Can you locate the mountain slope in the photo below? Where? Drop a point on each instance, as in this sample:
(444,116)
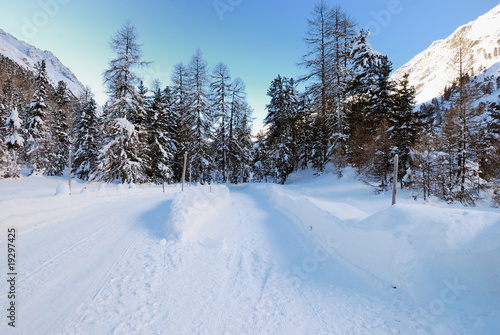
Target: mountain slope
(27,56)
(432,70)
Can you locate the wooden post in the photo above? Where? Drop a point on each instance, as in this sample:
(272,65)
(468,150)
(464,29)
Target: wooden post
(395,180)
(69,169)
(184,170)
(190,165)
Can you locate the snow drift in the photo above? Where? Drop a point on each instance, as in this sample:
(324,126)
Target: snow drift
(190,206)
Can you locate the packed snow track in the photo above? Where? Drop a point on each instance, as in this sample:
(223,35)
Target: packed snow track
(257,259)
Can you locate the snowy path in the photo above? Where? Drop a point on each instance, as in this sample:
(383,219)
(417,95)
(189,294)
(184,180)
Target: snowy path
(259,263)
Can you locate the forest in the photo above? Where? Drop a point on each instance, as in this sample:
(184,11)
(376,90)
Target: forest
(348,113)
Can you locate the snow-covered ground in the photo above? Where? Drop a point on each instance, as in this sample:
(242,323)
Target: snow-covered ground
(317,256)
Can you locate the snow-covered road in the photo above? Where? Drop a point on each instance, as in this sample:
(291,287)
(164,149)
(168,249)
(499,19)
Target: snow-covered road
(259,261)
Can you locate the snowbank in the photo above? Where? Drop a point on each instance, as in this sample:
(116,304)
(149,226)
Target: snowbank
(190,206)
(433,255)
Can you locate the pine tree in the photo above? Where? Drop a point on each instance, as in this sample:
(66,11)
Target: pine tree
(13,142)
(199,118)
(161,143)
(283,111)
(407,124)
(180,108)
(260,160)
(121,158)
(37,124)
(87,130)
(369,98)
(60,132)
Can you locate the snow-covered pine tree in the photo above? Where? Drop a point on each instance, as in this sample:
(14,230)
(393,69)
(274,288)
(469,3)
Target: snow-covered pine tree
(407,124)
(161,125)
(199,118)
(260,158)
(60,144)
(283,111)
(87,131)
(121,157)
(12,143)
(180,108)
(220,88)
(370,103)
(38,136)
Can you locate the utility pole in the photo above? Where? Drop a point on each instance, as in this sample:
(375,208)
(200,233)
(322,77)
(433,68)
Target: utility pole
(395,180)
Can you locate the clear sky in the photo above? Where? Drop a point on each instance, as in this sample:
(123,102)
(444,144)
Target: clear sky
(257,39)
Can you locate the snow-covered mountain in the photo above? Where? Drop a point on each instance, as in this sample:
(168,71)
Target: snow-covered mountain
(432,70)
(27,56)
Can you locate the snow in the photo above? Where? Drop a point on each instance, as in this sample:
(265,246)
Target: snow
(432,70)
(320,255)
(27,56)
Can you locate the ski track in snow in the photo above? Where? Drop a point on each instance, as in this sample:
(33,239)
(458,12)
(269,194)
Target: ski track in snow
(251,266)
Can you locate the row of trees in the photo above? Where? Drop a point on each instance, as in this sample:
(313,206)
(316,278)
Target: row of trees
(140,135)
(350,114)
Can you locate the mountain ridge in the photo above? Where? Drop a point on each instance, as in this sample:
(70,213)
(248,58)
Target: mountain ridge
(27,55)
(430,71)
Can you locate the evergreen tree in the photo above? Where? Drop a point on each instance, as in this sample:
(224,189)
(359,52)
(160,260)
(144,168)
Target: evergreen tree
(121,158)
(180,108)
(365,60)
(283,110)
(88,138)
(161,125)
(260,156)
(407,125)
(199,118)
(37,124)
(60,132)
(12,144)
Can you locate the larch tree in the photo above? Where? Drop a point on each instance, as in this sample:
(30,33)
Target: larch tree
(121,157)
(199,118)
(220,87)
(180,106)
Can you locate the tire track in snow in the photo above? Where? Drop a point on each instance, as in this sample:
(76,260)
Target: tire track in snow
(60,283)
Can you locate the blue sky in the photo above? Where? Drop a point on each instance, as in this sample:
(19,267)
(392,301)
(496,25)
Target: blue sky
(257,39)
